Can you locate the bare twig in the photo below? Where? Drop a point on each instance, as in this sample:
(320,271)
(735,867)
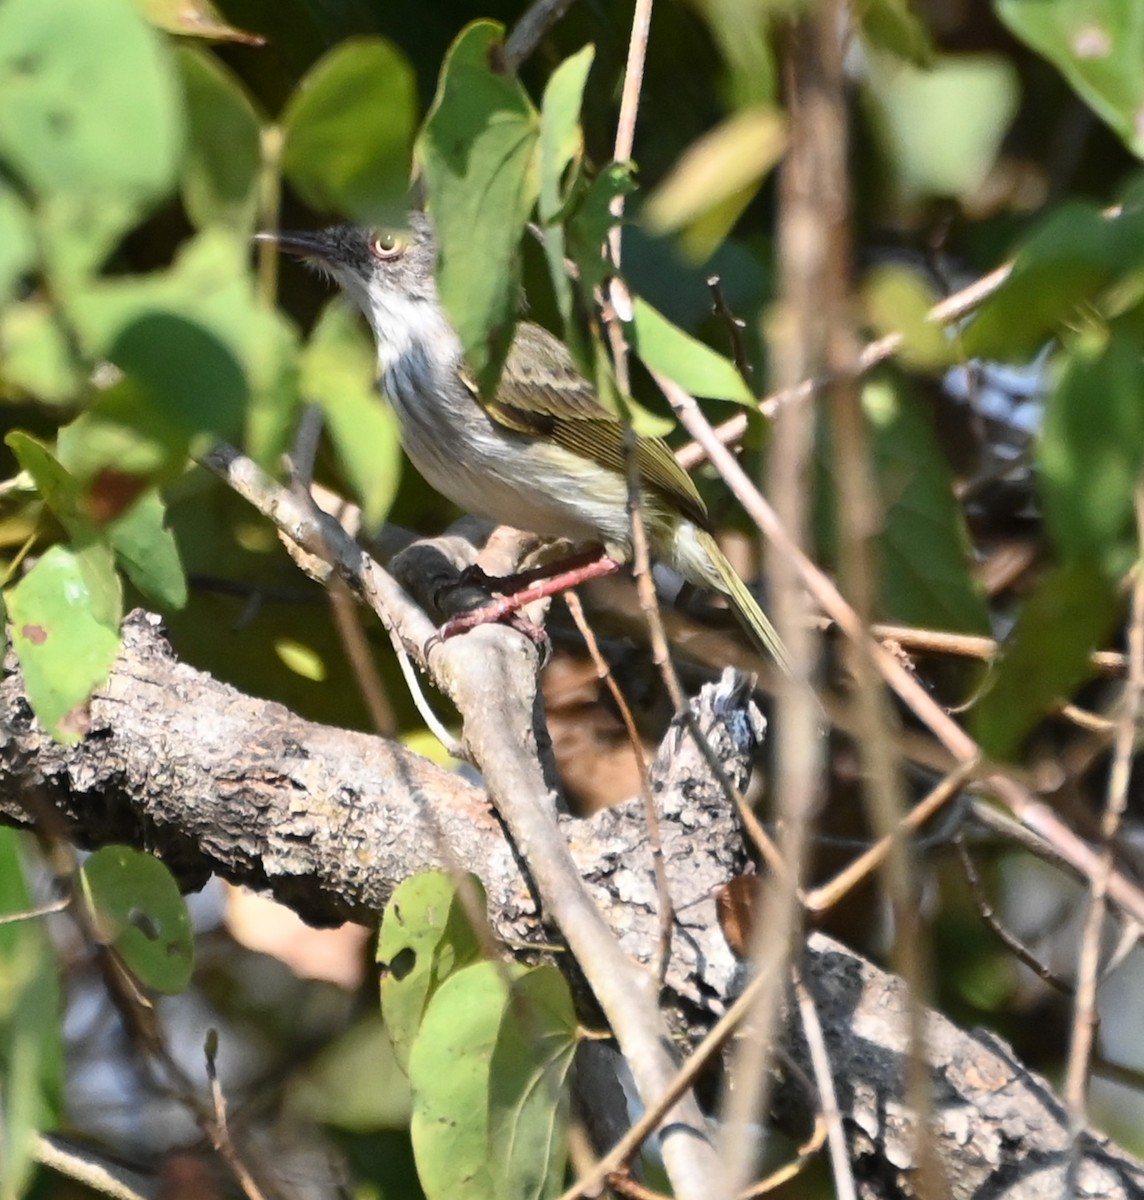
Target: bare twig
(828,894)
(798,349)
(827,1095)
(1088,966)
(83,1165)
(989,916)
(220,1129)
(529,30)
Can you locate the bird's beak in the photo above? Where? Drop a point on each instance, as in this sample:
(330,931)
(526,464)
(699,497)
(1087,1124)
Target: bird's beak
(299,243)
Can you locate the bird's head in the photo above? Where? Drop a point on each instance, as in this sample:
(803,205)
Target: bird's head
(379,269)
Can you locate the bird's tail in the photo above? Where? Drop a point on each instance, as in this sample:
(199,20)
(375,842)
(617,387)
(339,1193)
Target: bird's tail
(751,616)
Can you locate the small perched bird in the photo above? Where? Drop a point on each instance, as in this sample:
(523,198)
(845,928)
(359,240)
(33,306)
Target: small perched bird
(543,454)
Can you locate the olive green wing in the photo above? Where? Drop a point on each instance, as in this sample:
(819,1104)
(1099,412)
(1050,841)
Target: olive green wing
(541,393)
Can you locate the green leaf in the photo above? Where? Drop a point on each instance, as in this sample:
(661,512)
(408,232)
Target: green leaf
(897,300)
(194,18)
(426,935)
(35,355)
(17,244)
(1062,623)
(478,150)
(64,638)
(355,1083)
(665,348)
(1063,265)
(893,25)
(204,356)
(147,551)
(561,138)
(941,128)
(90,102)
(349,131)
(488,1071)
(138,909)
(31,1056)
(1091,452)
(60,491)
(924,546)
(717,175)
(224,155)
(338,372)
(561,143)
(1098,46)
(592,219)
(742,30)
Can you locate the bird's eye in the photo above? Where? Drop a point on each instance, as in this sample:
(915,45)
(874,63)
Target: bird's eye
(386,246)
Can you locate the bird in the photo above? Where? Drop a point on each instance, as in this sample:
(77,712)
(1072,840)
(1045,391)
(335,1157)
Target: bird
(542,454)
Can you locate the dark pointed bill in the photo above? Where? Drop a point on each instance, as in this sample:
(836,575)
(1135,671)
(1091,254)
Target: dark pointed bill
(300,243)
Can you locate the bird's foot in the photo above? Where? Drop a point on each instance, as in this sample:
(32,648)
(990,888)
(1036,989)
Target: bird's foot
(540,584)
(503,611)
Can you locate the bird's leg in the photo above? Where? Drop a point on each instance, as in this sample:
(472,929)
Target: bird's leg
(509,585)
(544,581)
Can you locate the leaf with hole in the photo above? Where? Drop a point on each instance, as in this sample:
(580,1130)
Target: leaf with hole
(426,935)
(139,911)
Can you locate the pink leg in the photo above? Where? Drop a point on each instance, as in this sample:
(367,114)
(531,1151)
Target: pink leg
(547,584)
(509,585)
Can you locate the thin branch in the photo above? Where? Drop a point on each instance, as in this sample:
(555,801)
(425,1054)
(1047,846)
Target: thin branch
(1088,966)
(85,1166)
(529,30)
(827,1095)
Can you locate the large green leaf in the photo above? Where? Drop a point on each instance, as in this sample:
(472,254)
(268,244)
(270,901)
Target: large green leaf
(202,356)
(64,636)
(478,150)
(224,154)
(89,99)
(561,144)
(1072,256)
(716,178)
(742,30)
(941,128)
(1091,452)
(349,131)
(1060,626)
(137,908)
(1098,46)
(35,353)
(355,1083)
(488,1071)
(31,1056)
(426,935)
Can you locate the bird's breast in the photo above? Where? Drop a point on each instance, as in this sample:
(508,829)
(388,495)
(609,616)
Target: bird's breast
(491,471)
